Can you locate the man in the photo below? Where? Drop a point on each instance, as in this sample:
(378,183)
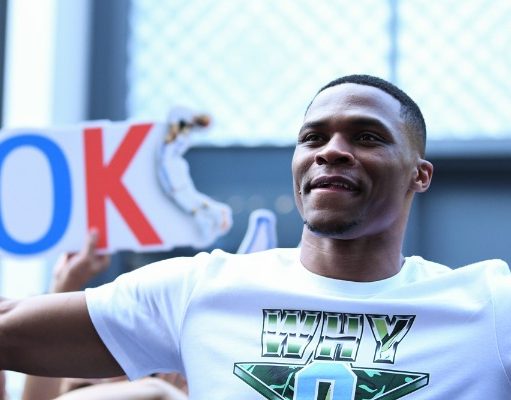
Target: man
(346,316)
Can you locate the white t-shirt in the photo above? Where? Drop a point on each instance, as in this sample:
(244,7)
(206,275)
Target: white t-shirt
(261,326)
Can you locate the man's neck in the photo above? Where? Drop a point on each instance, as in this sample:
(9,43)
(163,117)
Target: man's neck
(365,259)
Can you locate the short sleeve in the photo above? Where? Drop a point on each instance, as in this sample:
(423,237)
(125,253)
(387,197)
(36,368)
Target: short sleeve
(139,315)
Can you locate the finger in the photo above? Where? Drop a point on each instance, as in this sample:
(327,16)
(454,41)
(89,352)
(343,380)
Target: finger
(92,242)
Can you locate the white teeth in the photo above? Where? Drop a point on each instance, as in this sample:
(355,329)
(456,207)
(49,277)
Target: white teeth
(337,184)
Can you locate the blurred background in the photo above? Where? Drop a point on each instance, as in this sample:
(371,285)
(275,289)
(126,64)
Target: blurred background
(254,66)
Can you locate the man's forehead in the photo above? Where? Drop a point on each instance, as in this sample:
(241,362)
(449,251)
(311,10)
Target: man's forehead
(349,97)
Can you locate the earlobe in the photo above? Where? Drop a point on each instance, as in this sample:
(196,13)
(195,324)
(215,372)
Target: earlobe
(422,176)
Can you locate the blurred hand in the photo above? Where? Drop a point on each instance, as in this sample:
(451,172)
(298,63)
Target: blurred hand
(73,270)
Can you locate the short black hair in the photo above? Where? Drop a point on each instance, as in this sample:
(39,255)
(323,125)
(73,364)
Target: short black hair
(410,111)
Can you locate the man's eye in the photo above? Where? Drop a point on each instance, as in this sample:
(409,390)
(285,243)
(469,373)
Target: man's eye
(369,137)
(311,137)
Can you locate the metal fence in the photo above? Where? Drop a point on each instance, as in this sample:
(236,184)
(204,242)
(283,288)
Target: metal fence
(256,64)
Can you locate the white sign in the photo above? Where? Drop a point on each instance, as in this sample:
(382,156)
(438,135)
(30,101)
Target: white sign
(128,179)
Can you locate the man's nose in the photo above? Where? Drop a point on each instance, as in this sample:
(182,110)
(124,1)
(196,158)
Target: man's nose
(336,151)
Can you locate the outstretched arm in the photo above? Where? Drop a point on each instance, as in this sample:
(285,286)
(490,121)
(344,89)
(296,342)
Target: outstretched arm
(52,335)
(70,273)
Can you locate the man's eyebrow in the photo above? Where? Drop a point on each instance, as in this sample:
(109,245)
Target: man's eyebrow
(358,121)
(364,121)
(313,125)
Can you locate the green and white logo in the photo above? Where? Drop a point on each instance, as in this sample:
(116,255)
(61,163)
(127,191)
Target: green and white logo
(321,380)
(328,342)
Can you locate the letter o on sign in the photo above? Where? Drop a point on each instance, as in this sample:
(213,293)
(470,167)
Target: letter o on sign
(61,194)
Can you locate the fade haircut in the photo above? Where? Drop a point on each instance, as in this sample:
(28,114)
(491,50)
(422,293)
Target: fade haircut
(410,111)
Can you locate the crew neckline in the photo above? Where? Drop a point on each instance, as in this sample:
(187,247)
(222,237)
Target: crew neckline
(354,288)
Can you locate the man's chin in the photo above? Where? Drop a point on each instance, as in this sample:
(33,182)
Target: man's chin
(331,230)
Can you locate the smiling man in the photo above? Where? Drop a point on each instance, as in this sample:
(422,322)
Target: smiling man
(345,317)
(356,167)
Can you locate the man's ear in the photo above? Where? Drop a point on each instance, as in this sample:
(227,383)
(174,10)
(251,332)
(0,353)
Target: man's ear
(422,176)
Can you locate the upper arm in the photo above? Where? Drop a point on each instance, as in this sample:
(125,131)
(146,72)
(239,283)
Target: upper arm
(52,335)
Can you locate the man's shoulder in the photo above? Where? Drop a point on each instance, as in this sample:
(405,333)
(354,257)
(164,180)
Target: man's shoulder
(493,264)
(416,265)
(495,271)
(429,269)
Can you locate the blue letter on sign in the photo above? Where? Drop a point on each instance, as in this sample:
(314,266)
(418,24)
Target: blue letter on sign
(61,194)
(325,381)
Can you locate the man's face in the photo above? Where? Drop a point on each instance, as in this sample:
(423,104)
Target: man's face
(354,165)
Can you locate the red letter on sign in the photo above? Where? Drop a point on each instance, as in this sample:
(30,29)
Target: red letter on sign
(104,180)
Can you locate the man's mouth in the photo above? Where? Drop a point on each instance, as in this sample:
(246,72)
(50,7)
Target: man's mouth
(333,182)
